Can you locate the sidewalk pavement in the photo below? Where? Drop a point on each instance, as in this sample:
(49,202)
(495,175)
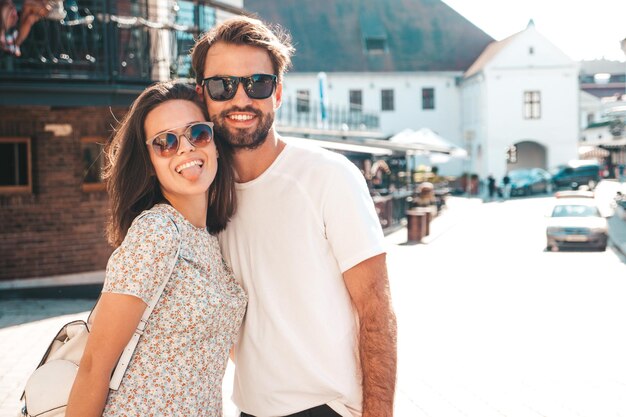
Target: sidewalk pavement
(28,325)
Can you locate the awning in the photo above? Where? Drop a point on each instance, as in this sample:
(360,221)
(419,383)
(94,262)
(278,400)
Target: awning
(341,146)
(587,152)
(428,140)
(611,143)
(379,147)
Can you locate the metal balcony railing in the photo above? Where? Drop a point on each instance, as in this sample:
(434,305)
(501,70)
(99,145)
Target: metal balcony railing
(111,41)
(295,113)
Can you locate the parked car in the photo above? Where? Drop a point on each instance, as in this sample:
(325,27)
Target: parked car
(576,173)
(576,223)
(528,181)
(574,194)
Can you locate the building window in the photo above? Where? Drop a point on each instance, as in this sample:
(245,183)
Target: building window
(428,98)
(15,166)
(375,45)
(302,101)
(92,154)
(532,105)
(356,100)
(386,100)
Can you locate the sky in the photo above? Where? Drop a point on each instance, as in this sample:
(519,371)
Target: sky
(583,30)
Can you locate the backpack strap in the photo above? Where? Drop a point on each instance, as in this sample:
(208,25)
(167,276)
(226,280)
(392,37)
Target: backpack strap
(122,364)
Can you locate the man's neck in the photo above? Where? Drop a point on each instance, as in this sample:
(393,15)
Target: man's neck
(250,164)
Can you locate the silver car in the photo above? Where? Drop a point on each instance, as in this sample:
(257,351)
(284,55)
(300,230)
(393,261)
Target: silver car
(576,223)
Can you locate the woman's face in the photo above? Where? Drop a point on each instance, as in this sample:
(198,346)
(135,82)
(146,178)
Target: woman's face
(8,14)
(191,170)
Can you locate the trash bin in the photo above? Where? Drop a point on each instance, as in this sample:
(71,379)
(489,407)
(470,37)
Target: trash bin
(416,225)
(429,212)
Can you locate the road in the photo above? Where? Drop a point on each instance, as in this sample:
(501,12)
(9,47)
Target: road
(491,324)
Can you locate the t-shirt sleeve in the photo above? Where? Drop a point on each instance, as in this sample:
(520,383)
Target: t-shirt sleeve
(144,259)
(351,223)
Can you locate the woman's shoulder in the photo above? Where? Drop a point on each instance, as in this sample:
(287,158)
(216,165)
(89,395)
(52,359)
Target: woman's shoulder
(161,219)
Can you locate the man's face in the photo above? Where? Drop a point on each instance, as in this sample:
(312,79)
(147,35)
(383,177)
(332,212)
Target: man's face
(242,122)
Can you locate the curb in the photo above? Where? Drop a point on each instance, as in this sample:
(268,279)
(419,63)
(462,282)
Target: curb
(617,238)
(73,292)
(617,246)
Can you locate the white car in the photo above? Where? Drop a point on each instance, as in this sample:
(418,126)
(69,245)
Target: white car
(576,223)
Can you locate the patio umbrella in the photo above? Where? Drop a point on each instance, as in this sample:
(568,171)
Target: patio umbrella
(429,139)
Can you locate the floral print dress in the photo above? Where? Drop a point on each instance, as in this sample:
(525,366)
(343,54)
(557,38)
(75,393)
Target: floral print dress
(179,363)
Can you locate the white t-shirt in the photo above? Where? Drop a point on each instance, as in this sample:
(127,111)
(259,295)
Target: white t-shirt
(307,219)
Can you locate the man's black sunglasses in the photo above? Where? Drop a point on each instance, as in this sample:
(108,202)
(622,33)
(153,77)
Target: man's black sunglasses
(224,87)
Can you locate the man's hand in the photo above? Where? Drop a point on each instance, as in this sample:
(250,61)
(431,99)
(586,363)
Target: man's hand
(368,285)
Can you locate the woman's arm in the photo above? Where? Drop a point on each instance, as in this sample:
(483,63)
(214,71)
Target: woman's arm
(115,322)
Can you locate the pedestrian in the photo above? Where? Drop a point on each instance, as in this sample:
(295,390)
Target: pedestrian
(164,165)
(491,186)
(305,244)
(506,185)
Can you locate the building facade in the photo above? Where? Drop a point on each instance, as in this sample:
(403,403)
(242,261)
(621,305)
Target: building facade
(409,99)
(603,136)
(521,105)
(60,101)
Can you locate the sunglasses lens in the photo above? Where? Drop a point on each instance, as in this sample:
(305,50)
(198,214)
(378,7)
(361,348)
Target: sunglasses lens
(260,86)
(201,134)
(257,86)
(222,89)
(165,144)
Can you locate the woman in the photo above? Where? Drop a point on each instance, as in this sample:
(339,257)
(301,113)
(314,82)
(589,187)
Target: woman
(163,159)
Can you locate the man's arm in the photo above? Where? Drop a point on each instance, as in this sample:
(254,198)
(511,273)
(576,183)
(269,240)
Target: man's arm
(368,285)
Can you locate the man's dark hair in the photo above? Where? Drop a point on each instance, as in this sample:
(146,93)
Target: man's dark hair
(243,30)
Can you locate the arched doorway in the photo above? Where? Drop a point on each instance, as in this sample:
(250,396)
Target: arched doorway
(527,154)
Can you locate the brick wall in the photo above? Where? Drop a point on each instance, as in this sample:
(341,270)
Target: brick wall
(58,228)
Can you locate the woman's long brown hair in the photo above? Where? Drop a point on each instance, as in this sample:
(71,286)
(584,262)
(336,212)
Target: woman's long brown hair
(131,181)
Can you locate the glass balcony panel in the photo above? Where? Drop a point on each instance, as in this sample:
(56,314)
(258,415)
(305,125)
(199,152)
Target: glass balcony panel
(112,42)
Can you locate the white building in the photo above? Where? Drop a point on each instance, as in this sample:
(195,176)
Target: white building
(401,99)
(521,105)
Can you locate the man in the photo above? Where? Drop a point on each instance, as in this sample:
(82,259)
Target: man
(319,336)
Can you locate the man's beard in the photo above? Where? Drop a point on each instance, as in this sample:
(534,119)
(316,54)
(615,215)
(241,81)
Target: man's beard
(243,139)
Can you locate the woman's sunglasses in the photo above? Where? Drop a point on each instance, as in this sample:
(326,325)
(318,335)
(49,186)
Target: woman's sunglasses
(256,86)
(166,143)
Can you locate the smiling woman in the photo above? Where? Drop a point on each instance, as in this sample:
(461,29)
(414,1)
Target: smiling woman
(169,196)
(156,136)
